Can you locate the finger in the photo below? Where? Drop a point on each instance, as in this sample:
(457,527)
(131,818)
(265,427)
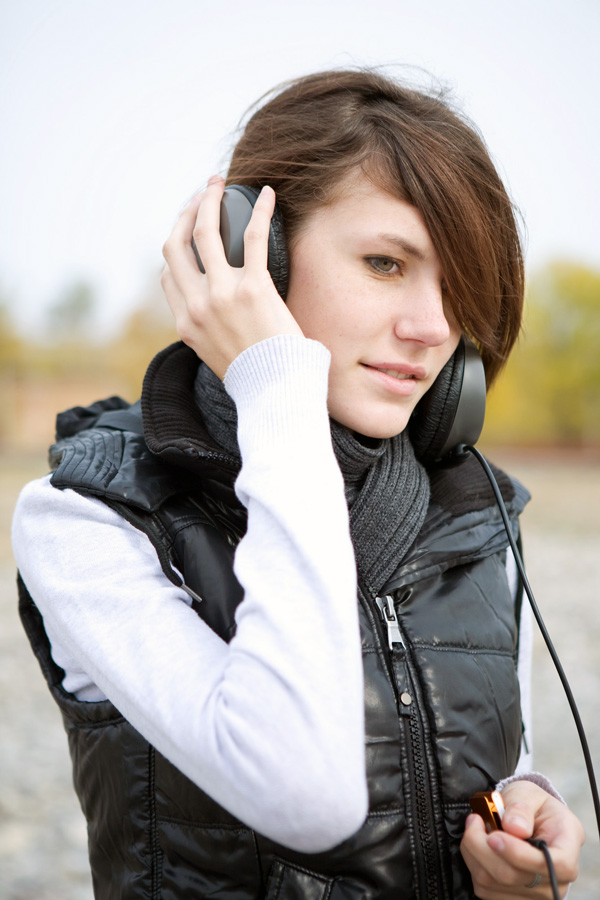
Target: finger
(178,251)
(515,863)
(486,866)
(522,802)
(174,297)
(518,819)
(256,236)
(553,823)
(207,228)
(491,863)
(517,854)
(183,226)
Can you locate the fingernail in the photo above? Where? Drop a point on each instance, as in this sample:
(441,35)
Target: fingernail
(214,179)
(496,841)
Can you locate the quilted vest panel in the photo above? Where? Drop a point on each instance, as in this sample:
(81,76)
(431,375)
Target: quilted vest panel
(442,722)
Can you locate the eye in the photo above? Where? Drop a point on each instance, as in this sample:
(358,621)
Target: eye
(384,265)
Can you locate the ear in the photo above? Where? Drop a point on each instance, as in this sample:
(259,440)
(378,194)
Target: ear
(452,412)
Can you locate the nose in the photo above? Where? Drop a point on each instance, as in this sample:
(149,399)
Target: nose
(423,317)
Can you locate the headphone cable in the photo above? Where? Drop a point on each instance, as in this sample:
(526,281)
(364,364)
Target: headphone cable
(561,673)
(543,846)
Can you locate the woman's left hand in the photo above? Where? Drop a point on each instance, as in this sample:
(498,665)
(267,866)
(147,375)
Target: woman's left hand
(503,864)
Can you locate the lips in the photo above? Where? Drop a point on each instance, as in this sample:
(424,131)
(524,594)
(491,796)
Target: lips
(401,376)
(401,371)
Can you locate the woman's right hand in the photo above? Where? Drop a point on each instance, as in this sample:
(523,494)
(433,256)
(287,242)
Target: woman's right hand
(223,312)
(504,865)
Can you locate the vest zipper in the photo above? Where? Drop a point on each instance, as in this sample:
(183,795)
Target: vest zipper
(390,620)
(428,861)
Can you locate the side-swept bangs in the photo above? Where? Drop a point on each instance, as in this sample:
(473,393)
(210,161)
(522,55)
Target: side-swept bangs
(306,140)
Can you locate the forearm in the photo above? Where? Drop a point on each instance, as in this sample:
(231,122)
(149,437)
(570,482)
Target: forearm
(271,724)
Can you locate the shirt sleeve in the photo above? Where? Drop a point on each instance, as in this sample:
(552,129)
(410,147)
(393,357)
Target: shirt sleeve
(524,770)
(524,664)
(271,725)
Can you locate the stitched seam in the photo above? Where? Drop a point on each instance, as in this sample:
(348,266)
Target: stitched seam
(297,868)
(95,726)
(155,851)
(259,864)
(279,881)
(448,648)
(385,813)
(174,820)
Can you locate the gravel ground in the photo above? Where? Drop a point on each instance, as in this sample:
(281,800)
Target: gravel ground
(42,834)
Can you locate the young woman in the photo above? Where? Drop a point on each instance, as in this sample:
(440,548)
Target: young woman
(284,647)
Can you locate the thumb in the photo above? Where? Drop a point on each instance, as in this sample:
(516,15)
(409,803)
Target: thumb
(520,809)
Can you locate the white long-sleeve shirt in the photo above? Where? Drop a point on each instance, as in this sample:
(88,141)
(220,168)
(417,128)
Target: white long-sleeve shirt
(271,724)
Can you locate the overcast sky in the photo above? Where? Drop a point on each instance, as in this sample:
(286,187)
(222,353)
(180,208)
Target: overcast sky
(113,112)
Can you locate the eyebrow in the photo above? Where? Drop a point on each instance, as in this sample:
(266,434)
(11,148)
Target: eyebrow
(404,245)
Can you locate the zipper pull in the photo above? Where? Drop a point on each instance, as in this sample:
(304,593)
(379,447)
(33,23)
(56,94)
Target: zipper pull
(191,593)
(177,579)
(390,620)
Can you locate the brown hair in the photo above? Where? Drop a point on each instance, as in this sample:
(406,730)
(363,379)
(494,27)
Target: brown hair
(309,136)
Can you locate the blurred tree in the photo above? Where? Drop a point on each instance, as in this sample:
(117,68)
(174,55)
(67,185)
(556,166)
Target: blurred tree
(550,391)
(11,368)
(40,377)
(148,329)
(10,343)
(72,314)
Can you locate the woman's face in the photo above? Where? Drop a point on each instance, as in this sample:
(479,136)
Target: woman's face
(366,281)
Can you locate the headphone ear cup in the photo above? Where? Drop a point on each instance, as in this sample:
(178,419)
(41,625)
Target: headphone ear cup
(452,412)
(432,419)
(278,262)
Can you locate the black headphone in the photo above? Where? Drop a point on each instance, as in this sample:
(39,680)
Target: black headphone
(451,413)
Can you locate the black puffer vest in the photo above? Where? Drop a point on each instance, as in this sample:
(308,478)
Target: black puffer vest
(441,694)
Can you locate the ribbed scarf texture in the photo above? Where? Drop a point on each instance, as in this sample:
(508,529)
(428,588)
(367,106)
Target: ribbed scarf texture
(387,489)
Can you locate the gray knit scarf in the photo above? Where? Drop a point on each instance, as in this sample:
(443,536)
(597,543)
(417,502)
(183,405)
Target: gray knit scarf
(387,489)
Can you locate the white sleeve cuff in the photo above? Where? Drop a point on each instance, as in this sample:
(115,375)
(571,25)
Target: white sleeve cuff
(536,778)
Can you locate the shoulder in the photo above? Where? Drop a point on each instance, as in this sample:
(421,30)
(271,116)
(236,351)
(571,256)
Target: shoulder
(101,451)
(113,465)
(46,521)
(40,501)
(463,523)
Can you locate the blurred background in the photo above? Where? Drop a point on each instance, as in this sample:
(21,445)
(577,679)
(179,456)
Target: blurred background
(113,113)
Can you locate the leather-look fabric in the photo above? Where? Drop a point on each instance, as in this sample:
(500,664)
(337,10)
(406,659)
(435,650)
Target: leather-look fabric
(441,699)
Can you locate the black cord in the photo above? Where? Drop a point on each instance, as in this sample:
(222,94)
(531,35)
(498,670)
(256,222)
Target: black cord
(561,673)
(542,845)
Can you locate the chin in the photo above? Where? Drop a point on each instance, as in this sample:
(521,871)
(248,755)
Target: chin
(379,434)
(375,431)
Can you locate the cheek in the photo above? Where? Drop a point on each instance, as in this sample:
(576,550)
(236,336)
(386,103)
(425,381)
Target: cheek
(444,354)
(455,336)
(315,303)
